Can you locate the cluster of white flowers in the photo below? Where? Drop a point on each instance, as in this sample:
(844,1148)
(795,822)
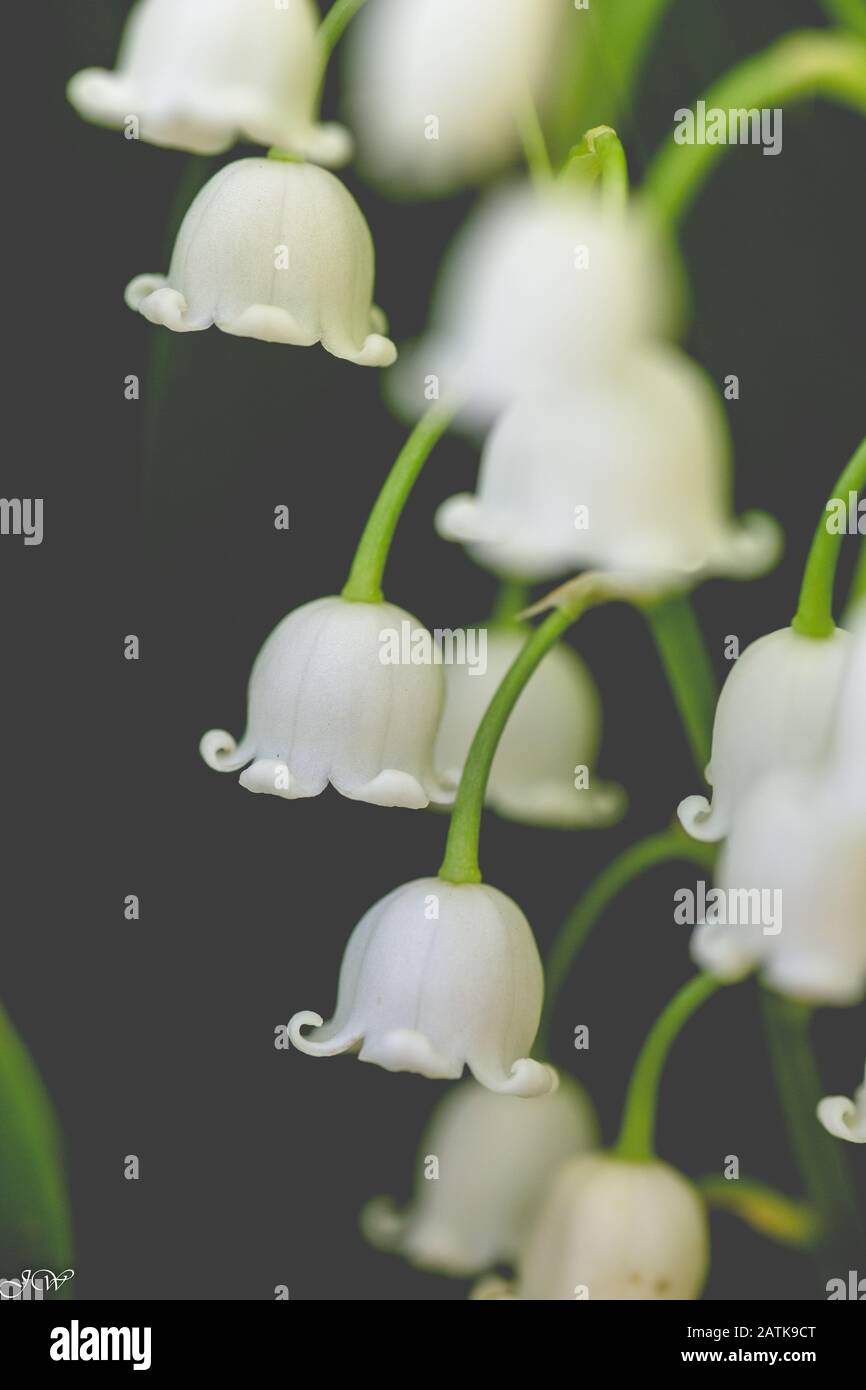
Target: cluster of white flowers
(788,774)
(552,320)
(606,448)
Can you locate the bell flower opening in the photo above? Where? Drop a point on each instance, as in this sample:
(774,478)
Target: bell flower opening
(776,710)
(437,977)
(200,75)
(274,250)
(629,474)
(323,706)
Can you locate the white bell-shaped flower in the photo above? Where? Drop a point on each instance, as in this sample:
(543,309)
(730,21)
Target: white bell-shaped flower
(616,1230)
(792,888)
(539,290)
(326,704)
(200,75)
(543,769)
(629,473)
(793,869)
(776,710)
(484,1167)
(275,250)
(438,976)
(436,86)
(844,1118)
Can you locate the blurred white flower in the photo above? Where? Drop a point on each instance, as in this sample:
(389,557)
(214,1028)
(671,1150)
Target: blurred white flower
(844,1118)
(552,735)
(323,707)
(800,833)
(776,710)
(274,250)
(793,876)
(629,472)
(540,289)
(495,1158)
(438,976)
(435,86)
(616,1230)
(200,75)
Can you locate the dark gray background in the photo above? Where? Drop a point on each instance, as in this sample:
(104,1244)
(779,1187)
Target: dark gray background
(155,1038)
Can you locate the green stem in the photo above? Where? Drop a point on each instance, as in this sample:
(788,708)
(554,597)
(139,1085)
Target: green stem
(807,64)
(511,599)
(822,1163)
(364,584)
(608,45)
(771,1213)
(532,139)
(664,847)
(851,14)
(335,23)
(814,616)
(857,592)
(601,152)
(637,1135)
(460,864)
(684,656)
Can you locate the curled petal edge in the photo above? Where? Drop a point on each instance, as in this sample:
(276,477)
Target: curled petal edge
(220,751)
(839,1117)
(701,820)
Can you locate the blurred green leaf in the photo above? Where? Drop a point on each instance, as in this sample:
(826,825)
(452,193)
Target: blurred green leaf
(34,1214)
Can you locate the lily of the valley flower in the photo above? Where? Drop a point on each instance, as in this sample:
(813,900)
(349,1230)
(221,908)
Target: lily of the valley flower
(799,838)
(543,769)
(436,86)
(274,250)
(495,1157)
(201,74)
(324,707)
(438,976)
(541,289)
(844,1118)
(616,1230)
(627,473)
(793,875)
(776,710)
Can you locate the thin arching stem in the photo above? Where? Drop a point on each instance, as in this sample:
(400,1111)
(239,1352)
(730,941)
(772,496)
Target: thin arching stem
(667,846)
(814,616)
(364,584)
(637,1135)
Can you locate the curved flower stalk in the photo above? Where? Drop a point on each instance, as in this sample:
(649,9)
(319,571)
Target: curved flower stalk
(438,976)
(798,67)
(346,690)
(628,473)
(200,75)
(495,1158)
(844,1118)
(776,710)
(618,1230)
(436,87)
(542,288)
(543,770)
(274,250)
(793,878)
(323,706)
